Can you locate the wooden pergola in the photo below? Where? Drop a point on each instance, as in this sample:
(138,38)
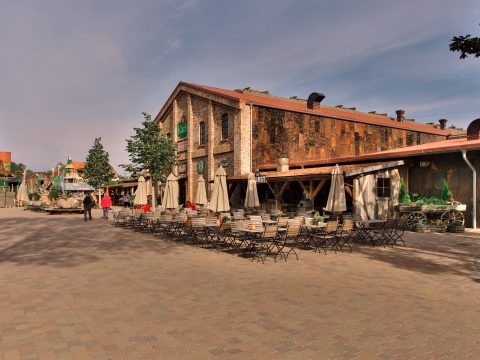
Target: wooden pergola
(311,180)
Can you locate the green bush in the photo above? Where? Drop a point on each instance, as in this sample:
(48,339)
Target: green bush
(55,191)
(403,197)
(446,193)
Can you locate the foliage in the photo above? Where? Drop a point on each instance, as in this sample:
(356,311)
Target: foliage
(55,191)
(225,219)
(446,193)
(317,220)
(97,168)
(17,169)
(403,197)
(465,45)
(149,149)
(430,201)
(34,196)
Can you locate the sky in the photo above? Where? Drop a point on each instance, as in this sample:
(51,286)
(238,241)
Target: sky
(73,70)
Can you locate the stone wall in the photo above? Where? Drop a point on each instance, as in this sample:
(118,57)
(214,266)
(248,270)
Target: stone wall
(302,137)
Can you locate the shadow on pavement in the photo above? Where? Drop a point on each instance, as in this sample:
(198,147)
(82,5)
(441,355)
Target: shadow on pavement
(70,241)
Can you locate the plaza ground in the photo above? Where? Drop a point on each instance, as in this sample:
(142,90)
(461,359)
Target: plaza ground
(71,289)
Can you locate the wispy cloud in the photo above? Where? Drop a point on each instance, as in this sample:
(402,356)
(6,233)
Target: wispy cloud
(71,71)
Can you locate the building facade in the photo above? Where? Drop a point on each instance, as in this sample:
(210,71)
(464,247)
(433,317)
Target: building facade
(248,130)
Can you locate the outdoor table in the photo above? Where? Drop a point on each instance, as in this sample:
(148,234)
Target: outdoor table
(365,229)
(308,231)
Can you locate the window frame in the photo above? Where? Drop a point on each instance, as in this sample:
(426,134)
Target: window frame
(202,133)
(383,187)
(224,127)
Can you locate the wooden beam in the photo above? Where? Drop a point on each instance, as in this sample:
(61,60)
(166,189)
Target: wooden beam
(283,188)
(305,189)
(271,189)
(318,188)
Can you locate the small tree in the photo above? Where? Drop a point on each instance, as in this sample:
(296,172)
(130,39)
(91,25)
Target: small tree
(149,149)
(97,168)
(55,191)
(446,193)
(403,197)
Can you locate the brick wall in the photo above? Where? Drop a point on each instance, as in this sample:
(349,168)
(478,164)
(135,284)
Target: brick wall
(300,137)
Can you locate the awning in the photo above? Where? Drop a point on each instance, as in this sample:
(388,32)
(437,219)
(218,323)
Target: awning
(323,172)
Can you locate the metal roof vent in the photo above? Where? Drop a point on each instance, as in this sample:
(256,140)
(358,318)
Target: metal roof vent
(314,98)
(473,130)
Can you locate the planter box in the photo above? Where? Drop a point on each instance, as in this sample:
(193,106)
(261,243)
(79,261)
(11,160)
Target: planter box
(423,228)
(455,228)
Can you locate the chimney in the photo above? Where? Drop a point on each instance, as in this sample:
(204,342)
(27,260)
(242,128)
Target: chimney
(315,98)
(443,123)
(400,115)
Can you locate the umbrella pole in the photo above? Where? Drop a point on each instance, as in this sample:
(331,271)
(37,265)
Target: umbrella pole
(154,200)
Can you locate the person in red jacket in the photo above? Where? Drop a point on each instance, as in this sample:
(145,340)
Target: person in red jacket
(106,205)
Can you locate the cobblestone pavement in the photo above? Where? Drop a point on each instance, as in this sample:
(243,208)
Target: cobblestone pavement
(71,289)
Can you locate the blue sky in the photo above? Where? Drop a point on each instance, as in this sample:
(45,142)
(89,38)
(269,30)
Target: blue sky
(71,70)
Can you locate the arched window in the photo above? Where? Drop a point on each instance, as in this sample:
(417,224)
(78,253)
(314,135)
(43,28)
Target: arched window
(169,135)
(203,133)
(224,126)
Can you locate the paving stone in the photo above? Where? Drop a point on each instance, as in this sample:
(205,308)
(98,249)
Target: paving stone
(76,290)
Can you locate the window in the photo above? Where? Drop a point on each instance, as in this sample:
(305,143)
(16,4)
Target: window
(224,126)
(203,133)
(383,187)
(169,135)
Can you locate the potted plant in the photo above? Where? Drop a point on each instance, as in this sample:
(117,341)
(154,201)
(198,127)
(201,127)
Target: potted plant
(456,226)
(317,220)
(225,219)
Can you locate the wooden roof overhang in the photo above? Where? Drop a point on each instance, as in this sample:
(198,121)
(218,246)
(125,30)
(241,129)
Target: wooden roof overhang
(323,172)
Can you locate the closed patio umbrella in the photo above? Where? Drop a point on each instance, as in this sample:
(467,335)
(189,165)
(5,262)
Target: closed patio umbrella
(219,200)
(141,193)
(336,197)
(170,194)
(251,199)
(201,197)
(22,194)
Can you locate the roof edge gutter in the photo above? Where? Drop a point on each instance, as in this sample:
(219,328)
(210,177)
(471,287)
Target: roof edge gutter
(474,187)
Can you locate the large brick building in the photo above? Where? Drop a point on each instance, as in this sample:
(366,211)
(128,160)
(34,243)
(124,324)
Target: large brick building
(247,130)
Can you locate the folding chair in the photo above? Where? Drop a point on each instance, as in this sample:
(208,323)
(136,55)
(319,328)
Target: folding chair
(326,239)
(290,240)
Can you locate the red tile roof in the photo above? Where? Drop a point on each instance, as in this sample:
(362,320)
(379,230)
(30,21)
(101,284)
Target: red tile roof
(437,147)
(322,110)
(77,165)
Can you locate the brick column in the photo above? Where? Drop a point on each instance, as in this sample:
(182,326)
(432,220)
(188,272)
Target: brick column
(174,129)
(190,149)
(241,140)
(210,175)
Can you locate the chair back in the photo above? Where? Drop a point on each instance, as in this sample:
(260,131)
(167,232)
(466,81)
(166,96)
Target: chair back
(238,225)
(270,232)
(300,219)
(265,216)
(293,229)
(165,217)
(331,227)
(261,211)
(282,221)
(256,219)
(348,225)
(238,215)
(181,217)
(198,221)
(211,221)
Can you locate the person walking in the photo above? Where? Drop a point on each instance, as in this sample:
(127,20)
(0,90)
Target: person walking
(126,200)
(106,205)
(87,206)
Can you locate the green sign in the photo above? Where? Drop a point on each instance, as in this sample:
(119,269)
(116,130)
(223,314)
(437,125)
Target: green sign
(201,166)
(182,127)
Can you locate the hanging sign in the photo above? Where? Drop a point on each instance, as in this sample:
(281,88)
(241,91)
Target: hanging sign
(260,179)
(201,166)
(424,164)
(182,127)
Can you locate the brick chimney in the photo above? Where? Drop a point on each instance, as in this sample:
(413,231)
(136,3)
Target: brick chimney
(400,115)
(443,123)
